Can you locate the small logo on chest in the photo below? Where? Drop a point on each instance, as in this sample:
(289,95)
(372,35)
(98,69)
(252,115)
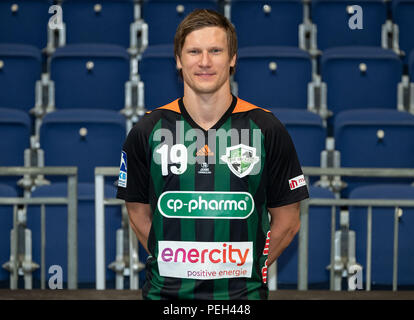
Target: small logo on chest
(205,169)
(240,159)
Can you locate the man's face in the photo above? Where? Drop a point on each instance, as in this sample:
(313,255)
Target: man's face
(205,60)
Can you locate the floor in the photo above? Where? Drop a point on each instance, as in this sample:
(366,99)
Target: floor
(87,294)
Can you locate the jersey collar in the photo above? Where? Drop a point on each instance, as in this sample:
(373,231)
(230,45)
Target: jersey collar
(218,124)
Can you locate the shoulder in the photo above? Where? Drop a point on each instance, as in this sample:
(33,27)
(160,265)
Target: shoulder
(244,106)
(172,106)
(150,119)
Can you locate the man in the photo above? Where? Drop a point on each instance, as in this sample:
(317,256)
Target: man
(200,174)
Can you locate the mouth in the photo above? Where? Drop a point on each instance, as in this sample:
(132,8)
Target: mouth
(205,75)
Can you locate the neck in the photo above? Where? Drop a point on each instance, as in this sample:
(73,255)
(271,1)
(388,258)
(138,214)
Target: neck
(207,109)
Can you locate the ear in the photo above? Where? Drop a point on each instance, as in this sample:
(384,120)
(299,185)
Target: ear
(178,62)
(233,61)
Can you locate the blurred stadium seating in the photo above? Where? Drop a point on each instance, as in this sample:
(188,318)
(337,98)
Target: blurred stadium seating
(83,138)
(107,22)
(24,22)
(163,16)
(402,15)
(276,22)
(361,78)
(383,234)
(20,68)
(90,76)
(331,18)
(159,74)
(6,224)
(307,131)
(73,93)
(377,138)
(318,248)
(274,77)
(15,130)
(56,231)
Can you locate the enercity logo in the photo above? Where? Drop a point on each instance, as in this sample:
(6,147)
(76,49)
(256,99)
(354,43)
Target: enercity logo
(205,260)
(206,204)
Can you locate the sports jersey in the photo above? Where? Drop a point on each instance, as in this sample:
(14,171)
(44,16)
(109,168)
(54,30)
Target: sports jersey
(209,191)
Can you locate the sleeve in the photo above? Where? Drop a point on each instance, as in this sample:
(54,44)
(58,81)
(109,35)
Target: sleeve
(133,181)
(286,183)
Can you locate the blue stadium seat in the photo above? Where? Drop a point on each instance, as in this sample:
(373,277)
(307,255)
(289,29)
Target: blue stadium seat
(307,132)
(332,20)
(377,138)
(106,21)
(90,76)
(274,77)
(360,78)
(25,22)
(56,231)
(275,22)
(20,68)
(6,224)
(158,71)
(402,15)
(15,130)
(383,234)
(163,16)
(319,247)
(411,66)
(82,138)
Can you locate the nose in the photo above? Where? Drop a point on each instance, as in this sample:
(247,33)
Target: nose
(205,60)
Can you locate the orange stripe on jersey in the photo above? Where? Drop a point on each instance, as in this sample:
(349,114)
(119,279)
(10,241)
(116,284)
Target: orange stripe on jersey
(244,106)
(173,106)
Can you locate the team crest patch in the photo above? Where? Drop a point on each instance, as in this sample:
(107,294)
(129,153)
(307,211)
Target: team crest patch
(240,159)
(122,180)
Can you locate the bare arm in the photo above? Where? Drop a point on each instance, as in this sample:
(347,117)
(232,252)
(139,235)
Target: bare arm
(140,218)
(284,225)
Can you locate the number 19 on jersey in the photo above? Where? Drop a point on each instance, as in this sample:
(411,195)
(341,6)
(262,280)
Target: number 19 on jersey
(178,156)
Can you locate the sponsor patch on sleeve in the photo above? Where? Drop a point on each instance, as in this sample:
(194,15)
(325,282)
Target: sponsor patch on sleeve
(297,182)
(122,179)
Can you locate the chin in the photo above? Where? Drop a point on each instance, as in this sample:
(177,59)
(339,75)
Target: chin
(204,90)
(205,87)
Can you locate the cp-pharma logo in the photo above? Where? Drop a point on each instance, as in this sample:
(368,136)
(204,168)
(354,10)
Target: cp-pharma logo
(240,159)
(206,204)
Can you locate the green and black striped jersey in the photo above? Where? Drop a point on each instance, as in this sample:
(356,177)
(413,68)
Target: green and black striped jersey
(209,192)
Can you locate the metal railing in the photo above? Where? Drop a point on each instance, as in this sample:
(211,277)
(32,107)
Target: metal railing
(100,202)
(133,263)
(334,203)
(72,203)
